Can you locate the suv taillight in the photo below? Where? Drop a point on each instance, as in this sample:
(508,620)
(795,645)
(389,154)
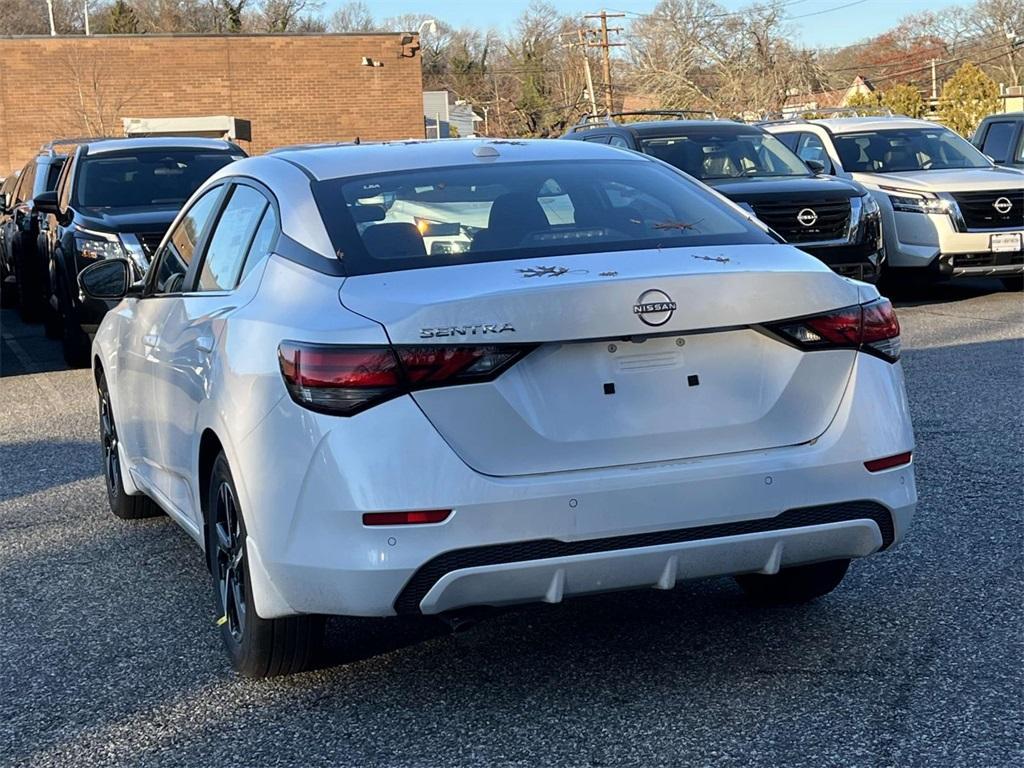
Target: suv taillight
(345,380)
(871,328)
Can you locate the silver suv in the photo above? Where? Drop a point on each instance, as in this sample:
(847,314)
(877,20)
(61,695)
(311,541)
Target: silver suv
(947,210)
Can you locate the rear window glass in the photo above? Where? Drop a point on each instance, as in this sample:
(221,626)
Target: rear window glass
(505,211)
(151,178)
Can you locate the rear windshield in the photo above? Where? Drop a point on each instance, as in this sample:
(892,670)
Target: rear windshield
(907,149)
(506,211)
(727,155)
(162,178)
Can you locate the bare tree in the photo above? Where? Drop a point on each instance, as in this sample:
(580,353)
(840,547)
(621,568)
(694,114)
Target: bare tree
(290,16)
(99,93)
(352,17)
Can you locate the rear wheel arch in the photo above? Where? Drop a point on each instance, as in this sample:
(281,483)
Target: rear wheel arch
(210,447)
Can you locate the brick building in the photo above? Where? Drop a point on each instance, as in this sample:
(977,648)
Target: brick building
(293,88)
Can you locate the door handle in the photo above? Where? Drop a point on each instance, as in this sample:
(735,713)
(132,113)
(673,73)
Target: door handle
(204,344)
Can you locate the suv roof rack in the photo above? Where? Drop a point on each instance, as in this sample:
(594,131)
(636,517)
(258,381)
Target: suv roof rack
(596,121)
(48,146)
(827,112)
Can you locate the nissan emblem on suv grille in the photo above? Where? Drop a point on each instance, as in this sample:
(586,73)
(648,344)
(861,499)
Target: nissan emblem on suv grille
(1003,205)
(654,307)
(808,217)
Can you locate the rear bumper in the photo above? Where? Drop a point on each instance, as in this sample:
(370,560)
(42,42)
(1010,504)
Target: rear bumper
(548,570)
(579,531)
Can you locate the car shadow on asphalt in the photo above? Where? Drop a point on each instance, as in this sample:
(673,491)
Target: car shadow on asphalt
(943,293)
(37,465)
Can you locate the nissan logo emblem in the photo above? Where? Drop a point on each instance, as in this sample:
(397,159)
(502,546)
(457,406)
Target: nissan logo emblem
(1003,205)
(807,217)
(654,307)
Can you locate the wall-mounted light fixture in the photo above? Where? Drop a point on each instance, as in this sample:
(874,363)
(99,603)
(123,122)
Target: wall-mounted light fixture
(369,62)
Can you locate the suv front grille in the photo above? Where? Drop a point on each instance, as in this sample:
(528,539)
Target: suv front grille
(150,241)
(993,209)
(831,218)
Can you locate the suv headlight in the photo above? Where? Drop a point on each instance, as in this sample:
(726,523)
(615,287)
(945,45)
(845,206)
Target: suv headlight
(906,201)
(93,245)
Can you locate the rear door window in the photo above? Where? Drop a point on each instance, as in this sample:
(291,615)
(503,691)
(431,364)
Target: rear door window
(230,240)
(619,141)
(262,242)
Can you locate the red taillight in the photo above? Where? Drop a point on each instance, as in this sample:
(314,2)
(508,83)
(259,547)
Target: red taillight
(345,380)
(871,327)
(419,517)
(877,465)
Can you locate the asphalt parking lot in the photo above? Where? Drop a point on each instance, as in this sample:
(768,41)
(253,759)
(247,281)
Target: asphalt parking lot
(109,654)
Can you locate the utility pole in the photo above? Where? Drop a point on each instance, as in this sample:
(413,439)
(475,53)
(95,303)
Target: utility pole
(935,82)
(606,47)
(85,9)
(580,35)
(49,9)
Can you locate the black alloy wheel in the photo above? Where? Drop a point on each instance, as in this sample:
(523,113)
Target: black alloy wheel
(230,554)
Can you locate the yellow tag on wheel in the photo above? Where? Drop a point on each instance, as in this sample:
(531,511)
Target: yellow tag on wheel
(222,620)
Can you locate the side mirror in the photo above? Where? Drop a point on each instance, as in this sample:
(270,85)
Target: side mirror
(816,166)
(46,202)
(107,280)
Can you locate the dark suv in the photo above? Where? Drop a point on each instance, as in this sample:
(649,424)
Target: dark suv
(833,219)
(115,199)
(22,269)
(1001,137)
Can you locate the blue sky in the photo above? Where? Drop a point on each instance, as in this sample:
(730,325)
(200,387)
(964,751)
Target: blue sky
(861,19)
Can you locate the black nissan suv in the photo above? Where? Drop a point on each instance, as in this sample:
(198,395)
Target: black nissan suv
(115,199)
(21,266)
(835,220)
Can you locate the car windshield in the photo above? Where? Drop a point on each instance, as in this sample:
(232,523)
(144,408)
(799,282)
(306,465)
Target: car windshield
(907,149)
(726,155)
(149,178)
(502,211)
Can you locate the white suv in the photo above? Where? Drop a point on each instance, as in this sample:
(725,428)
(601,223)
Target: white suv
(947,210)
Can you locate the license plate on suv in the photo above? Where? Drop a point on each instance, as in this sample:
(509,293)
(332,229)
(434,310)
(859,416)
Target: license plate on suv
(1007,241)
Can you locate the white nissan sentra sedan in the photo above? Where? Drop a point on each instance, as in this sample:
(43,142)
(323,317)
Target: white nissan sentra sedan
(421,377)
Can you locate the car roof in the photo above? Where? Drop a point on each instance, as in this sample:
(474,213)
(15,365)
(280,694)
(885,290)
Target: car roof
(858,124)
(157,142)
(345,160)
(662,125)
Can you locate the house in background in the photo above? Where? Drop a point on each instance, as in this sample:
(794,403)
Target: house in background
(798,103)
(444,118)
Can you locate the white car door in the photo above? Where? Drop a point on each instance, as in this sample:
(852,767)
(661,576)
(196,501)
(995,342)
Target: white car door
(188,336)
(145,419)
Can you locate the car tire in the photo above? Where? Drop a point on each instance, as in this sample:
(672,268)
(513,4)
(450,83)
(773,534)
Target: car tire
(121,504)
(1013,283)
(797,584)
(29,291)
(74,341)
(257,647)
